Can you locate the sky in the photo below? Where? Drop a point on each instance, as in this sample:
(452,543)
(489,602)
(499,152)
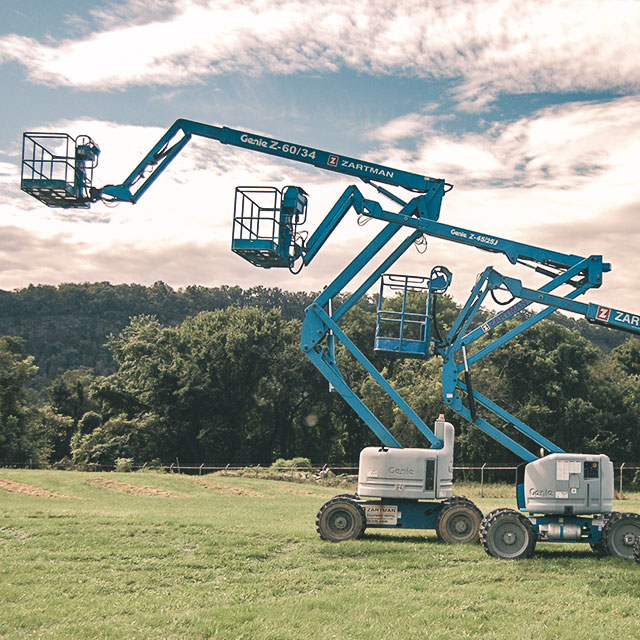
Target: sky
(531,109)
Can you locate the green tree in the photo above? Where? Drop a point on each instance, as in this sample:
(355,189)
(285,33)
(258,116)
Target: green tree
(550,378)
(22,437)
(627,356)
(228,385)
(69,400)
(117,438)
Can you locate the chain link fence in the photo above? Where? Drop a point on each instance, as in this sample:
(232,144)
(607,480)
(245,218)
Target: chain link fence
(627,475)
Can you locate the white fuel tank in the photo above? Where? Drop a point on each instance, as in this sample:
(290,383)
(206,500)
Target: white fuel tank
(569,483)
(419,474)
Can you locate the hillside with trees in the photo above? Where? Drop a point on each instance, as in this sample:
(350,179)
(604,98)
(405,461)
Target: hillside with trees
(67,326)
(94,373)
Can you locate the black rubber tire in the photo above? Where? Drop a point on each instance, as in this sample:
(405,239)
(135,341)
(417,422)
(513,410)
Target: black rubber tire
(636,550)
(620,533)
(507,534)
(459,521)
(341,519)
(599,549)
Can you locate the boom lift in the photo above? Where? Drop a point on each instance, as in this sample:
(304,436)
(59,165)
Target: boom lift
(568,496)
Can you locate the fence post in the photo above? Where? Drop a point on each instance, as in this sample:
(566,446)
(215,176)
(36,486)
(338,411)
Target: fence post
(171,468)
(621,467)
(482,480)
(225,469)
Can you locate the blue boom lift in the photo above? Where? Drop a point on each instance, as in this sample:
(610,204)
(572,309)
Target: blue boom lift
(568,496)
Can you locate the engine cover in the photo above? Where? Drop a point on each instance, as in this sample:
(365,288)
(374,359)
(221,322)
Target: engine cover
(569,483)
(409,473)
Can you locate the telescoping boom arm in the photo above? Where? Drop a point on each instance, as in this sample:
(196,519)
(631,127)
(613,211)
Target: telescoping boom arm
(41,166)
(58,169)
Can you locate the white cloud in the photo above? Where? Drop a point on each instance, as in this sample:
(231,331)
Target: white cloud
(407,126)
(587,146)
(488,47)
(8,173)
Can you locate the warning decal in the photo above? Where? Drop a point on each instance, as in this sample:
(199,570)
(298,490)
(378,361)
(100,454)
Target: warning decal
(566,467)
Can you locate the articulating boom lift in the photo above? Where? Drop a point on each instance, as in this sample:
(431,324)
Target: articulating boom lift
(568,496)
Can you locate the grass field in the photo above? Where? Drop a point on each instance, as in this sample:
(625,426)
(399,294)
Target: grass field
(147,555)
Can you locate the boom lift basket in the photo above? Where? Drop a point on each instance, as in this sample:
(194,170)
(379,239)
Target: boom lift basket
(265,224)
(58,169)
(398,330)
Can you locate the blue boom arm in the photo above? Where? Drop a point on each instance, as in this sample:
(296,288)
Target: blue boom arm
(578,272)
(179,134)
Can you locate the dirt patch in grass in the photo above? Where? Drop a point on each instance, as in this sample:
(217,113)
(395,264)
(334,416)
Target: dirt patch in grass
(125,487)
(12,532)
(231,491)
(28,490)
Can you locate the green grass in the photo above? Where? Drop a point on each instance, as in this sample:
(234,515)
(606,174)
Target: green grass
(246,562)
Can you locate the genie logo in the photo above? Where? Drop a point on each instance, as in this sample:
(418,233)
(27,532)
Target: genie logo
(541,493)
(401,471)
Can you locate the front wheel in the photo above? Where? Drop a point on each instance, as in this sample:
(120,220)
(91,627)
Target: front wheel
(459,521)
(620,533)
(636,551)
(507,534)
(341,519)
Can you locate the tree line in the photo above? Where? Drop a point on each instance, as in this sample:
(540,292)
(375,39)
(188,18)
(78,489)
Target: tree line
(67,326)
(154,377)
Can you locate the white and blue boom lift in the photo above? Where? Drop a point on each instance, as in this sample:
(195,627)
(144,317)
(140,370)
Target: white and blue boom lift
(561,497)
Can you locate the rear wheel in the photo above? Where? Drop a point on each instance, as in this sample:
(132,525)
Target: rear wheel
(459,521)
(341,519)
(507,534)
(620,533)
(636,551)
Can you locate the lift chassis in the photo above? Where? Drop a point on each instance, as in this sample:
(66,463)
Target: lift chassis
(561,497)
